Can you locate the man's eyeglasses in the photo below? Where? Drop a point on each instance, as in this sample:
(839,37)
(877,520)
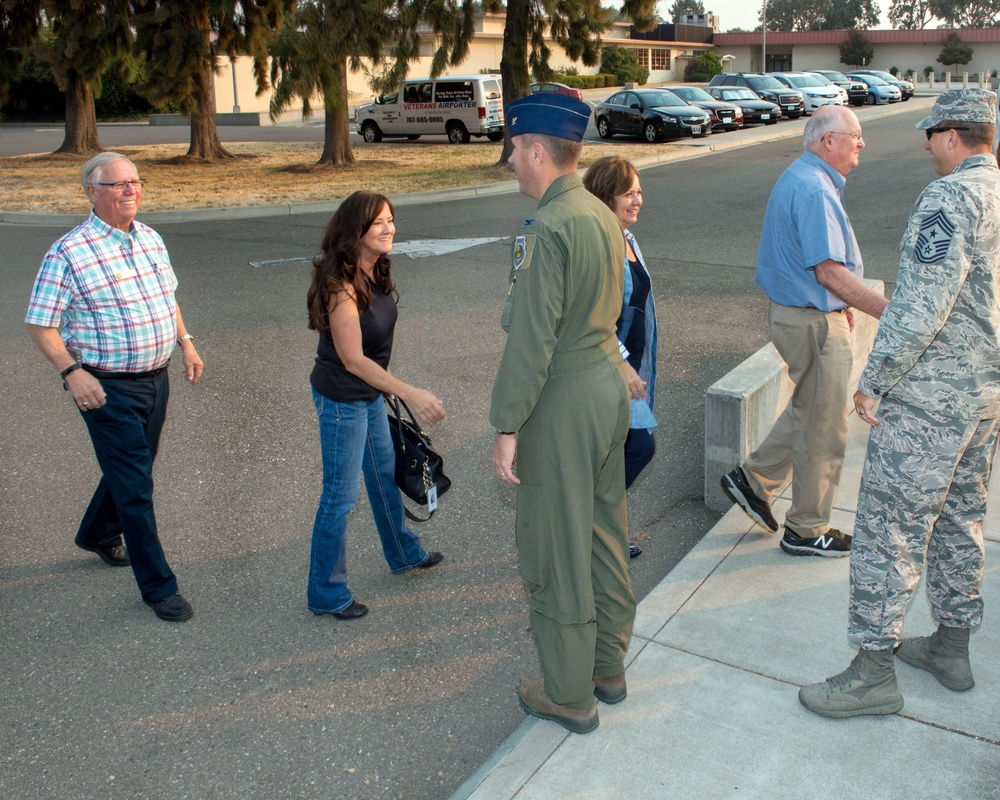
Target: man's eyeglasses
(855,136)
(120,185)
(931,131)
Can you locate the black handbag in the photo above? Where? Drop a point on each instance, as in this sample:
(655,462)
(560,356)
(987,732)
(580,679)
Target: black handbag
(418,467)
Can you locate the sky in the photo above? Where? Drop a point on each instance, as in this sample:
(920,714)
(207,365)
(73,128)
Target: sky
(743,13)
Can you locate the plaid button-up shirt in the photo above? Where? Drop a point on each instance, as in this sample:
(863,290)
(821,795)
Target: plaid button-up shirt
(114,290)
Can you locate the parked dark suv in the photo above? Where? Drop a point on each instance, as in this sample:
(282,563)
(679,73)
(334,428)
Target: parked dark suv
(768,87)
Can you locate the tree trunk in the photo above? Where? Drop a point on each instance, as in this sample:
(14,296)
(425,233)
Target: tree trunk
(337,126)
(81,120)
(205,144)
(514,64)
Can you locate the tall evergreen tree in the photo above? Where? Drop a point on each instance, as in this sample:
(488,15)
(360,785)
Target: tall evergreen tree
(576,25)
(82,39)
(182,41)
(19,21)
(326,39)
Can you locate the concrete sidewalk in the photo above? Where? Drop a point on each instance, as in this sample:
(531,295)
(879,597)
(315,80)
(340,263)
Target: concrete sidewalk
(720,649)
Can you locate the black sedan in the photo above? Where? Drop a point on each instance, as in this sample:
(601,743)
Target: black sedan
(651,114)
(754,108)
(724,116)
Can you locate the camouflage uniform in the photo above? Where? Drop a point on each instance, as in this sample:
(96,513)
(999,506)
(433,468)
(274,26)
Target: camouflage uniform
(936,364)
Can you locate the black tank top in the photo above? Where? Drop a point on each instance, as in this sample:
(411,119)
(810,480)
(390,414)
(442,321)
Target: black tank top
(330,377)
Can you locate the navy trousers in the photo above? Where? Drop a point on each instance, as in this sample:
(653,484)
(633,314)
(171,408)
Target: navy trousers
(125,433)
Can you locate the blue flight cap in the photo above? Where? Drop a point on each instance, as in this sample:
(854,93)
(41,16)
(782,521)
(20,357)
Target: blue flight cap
(550,114)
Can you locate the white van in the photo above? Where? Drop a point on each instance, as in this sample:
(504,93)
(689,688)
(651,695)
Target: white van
(459,106)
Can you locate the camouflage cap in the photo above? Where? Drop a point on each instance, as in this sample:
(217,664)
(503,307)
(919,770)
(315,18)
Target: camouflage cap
(962,105)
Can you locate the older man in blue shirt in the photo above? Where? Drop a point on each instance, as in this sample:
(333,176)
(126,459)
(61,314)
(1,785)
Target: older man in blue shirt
(809,265)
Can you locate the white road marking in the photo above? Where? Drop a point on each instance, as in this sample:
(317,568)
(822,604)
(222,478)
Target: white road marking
(418,249)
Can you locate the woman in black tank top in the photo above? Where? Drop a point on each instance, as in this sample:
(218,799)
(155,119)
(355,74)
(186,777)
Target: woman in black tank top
(352,305)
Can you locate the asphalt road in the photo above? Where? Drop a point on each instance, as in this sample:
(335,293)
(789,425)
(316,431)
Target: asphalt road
(255,697)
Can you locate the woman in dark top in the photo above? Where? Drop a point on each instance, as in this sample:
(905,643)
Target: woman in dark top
(615,180)
(352,305)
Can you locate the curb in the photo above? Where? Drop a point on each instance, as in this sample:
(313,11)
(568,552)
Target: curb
(686,151)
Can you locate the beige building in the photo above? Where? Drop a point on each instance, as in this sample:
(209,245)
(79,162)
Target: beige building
(664,60)
(905,50)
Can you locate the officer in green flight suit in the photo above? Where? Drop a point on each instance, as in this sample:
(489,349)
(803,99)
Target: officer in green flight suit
(561,409)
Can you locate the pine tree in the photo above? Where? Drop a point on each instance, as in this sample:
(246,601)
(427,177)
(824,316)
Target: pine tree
(182,41)
(81,41)
(326,39)
(954,51)
(18,28)
(576,25)
(856,50)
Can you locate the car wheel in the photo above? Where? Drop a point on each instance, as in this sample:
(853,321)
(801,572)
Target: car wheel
(650,133)
(371,132)
(604,128)
(457,134)
(496,136)
(870,99)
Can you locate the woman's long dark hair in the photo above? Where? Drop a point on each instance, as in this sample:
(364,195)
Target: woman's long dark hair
(337,267)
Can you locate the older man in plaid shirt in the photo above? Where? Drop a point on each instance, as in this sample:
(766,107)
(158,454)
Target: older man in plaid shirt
(103,312)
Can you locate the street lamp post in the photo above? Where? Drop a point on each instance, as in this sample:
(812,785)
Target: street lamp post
(763,36)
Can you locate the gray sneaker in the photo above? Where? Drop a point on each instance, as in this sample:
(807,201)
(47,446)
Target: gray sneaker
(737,488)
(832,544)
(867,686)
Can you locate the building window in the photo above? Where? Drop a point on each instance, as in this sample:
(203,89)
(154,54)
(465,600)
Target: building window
(642,56)
(660,59)
(778,62)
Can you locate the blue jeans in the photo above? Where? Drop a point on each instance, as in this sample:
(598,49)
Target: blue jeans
(354,438)
(125,433)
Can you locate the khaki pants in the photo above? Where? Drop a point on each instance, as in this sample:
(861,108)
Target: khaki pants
(809,439)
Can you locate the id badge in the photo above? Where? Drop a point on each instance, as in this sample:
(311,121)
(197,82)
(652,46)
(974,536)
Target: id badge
(432,498)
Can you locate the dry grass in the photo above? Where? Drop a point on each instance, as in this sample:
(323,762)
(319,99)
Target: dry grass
(263,173)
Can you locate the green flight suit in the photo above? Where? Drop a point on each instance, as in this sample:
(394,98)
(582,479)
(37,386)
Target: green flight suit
(561,388)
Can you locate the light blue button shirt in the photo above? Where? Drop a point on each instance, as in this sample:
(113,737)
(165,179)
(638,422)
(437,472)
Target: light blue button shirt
(805,224)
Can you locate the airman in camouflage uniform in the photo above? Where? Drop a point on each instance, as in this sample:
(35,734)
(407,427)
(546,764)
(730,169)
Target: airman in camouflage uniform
(935,365)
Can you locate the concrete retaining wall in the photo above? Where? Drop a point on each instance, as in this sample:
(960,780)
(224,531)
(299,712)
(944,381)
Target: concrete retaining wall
(741,407)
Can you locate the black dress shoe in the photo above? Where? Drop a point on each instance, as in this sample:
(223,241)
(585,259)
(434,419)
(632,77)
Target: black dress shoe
(433,559)
(634,551)
(112,555)
(353,611)
(172,608)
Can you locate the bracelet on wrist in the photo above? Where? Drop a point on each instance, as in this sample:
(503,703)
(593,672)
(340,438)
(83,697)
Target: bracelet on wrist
(71,368)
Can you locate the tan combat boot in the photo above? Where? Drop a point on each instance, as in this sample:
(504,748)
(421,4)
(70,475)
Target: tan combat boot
(944,654)
(867,686)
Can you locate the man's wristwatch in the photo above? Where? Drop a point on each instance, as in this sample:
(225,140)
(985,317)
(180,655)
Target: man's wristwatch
(187,337)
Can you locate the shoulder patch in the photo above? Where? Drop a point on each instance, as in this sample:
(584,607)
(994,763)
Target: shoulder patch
(523,245)
(934,238)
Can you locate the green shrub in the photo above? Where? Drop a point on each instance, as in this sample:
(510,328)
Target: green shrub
(928,71)
(624,65)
